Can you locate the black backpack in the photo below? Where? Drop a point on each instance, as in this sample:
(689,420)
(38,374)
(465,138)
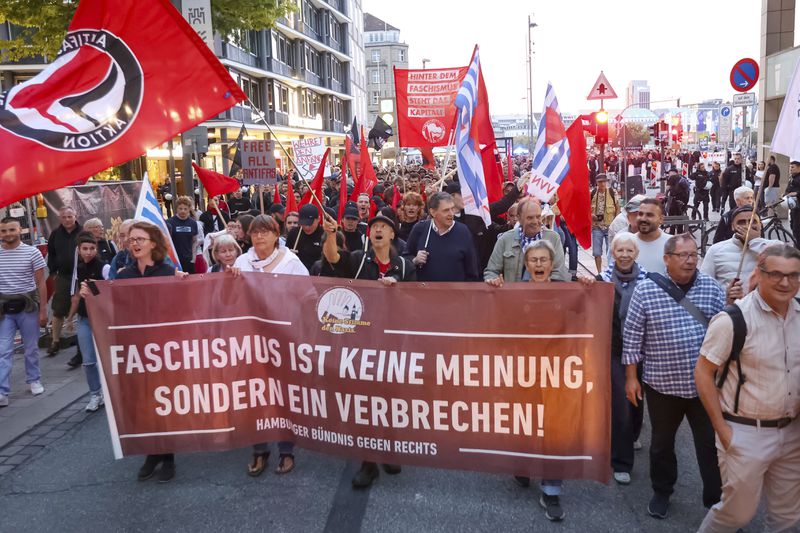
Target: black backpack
(739,336)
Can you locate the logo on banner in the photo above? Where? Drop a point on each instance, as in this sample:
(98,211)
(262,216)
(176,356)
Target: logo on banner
(339,310)
(433,130)
(86,99)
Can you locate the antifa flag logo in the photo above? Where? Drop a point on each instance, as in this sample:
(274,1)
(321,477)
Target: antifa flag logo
(85,100)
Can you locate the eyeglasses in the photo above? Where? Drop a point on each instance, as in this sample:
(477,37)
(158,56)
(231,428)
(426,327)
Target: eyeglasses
(137,240)
(777,276)
(684,256)
(539,260)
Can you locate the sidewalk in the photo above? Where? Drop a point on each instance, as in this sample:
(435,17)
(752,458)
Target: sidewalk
(62,387)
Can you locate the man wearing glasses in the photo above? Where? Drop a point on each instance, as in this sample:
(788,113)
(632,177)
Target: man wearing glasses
(758,436)
(664,329)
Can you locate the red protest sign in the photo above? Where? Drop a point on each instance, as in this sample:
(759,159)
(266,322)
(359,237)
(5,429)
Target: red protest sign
(526,393)
(426,112)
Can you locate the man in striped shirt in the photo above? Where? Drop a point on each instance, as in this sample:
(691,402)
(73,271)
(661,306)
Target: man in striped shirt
(664,333)
(23,294)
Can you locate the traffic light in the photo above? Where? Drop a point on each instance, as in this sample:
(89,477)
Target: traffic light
(601,126)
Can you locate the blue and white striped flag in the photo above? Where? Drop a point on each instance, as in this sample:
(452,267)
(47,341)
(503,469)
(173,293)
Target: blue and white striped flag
(468,152)
(551,154)
(149,210)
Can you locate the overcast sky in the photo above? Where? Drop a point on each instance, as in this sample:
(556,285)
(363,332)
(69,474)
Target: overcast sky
(683,48)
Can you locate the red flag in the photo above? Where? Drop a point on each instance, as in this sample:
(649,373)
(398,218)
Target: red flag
(276,199)
(342,193)
(396,197)
(215,183)
(574,200)
(316,185)
(291,201)
(428,160)
(112,92)
(482,123)
(368,178)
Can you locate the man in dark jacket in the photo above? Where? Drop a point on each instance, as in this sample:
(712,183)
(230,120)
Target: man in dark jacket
(306,239)
(793,191)
(441,248)
(60,262)
(732,179)
(701,188)
(716,190)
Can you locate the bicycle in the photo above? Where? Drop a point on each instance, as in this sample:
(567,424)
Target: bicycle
(772,226)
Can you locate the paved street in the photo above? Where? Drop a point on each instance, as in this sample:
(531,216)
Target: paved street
(61,476)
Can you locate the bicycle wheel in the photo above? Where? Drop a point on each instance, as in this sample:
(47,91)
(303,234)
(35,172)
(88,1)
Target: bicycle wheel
(779,233)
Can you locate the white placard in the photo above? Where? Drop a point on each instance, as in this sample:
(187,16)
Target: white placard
(725,124)
(308,154)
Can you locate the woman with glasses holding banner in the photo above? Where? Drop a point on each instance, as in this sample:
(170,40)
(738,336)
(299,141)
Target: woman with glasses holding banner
(267,255)
(148,247)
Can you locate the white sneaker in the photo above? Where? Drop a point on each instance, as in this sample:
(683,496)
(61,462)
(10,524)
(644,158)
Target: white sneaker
(37,388)
(623,478)
(637,445)
(95,402)
(3,400)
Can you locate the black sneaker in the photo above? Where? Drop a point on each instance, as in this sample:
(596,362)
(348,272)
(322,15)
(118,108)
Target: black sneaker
(392,469)
(366,475)
(523,481)
(167,472)
(552,507)
(53,349)
(148,468)
(75,361)
(658,506)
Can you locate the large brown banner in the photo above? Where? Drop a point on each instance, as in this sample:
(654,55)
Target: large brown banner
(449,375)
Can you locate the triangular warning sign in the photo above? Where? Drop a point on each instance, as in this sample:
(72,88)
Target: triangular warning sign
(602,90)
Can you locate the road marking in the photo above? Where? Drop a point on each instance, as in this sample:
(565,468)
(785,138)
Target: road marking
(167,433)
(487,335)
(202,321)
(529,455)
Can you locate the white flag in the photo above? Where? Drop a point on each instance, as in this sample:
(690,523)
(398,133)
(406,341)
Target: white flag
(786,139)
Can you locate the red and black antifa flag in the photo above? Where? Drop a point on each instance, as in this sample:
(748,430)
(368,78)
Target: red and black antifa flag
(119,85)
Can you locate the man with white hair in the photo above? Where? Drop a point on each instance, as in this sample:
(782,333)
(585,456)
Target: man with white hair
(742,196)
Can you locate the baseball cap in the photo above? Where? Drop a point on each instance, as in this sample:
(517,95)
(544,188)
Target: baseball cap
(276,208)
(601,177)
(633,204)
(351,211)
(308,214)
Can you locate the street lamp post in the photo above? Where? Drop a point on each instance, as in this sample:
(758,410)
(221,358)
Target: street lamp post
(425,63)
(531,25)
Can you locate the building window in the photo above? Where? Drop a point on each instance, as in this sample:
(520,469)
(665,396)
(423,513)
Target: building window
(336,69)
(245,40)
(310,104)
(283,100)
(376,56)
(271,96)
(376,76)
(376,97)
(283,49)
(401,55)
(251,87)
(312,60)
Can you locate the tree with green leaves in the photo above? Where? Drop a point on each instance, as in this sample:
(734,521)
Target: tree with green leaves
(40,25)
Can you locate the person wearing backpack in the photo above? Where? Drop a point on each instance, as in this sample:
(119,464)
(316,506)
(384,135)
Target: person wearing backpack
(748,378)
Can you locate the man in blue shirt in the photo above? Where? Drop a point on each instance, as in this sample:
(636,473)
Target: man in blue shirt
(665,334)
(441,248)
(184,232)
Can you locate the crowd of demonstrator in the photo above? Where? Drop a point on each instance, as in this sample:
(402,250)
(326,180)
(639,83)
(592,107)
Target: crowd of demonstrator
(711,339)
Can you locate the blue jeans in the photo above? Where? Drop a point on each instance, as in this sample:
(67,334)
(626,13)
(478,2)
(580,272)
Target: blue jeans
(28,326)
(86,344)
(570,245)
(599,237)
